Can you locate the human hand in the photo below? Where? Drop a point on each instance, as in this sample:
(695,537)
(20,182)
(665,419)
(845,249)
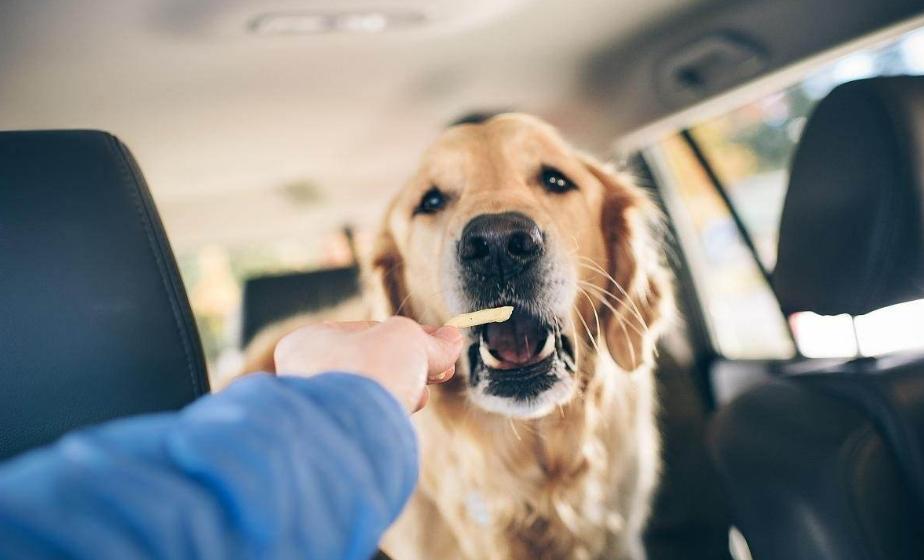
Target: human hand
(398,353)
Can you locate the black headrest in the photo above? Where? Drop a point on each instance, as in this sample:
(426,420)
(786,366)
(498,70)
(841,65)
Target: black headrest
(268,299)
(852,231)
(94,321)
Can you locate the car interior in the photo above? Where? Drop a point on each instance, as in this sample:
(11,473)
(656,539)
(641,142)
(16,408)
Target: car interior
(783,140)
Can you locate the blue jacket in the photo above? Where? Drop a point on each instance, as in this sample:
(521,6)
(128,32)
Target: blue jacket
(269,468)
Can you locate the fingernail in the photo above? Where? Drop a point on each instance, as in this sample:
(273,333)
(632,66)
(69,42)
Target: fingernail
(446,374)
(449,334)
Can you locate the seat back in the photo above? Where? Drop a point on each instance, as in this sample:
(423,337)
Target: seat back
(268,299)
(852,229)
(94,320)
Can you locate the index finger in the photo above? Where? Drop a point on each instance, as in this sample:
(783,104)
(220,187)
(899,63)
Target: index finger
(443,346)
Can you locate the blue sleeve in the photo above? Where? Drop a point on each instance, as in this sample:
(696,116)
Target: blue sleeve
(269,468)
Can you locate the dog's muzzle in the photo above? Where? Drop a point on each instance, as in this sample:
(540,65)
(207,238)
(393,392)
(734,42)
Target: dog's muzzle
(504,261)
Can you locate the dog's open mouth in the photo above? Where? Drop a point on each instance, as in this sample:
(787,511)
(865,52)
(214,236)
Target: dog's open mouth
(521,357)
(519,342)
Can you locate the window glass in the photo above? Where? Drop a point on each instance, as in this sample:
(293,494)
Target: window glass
(744,319)
(750,149)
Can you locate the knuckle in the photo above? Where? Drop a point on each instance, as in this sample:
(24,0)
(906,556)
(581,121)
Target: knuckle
(291,341)
(281,350)
(283,344)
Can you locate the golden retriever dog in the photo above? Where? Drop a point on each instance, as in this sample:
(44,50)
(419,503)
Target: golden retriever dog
(544,444)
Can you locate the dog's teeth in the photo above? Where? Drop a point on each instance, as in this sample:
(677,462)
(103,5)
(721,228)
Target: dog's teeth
(548,347)
(487,357)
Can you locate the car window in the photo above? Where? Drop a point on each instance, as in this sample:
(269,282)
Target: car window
(214,275)
(750,149)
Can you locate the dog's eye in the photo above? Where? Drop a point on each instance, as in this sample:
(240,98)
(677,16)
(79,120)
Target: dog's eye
(432,202)
(555,181)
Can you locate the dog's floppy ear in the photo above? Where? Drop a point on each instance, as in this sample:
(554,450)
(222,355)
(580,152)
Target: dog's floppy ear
(384,277)
(640,286)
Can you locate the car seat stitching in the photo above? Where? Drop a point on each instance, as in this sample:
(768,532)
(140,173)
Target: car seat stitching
(130,176)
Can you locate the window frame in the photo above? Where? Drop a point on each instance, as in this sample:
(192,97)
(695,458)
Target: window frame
(648,142)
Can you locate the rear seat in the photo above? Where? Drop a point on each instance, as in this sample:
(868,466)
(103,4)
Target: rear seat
(268,299)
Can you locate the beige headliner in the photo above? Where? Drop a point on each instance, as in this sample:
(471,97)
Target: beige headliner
(219,119)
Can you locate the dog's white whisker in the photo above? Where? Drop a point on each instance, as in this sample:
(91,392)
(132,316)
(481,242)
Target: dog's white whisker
(602,294)
(577,341)
(633,306)
(628,344)
(592,265)
(628,302)
(514,428)
(593,308)
(590,335)
(595,266)
(622,324)
(403,302)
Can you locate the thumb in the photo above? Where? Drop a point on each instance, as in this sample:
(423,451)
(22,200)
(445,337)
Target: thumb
(443,349)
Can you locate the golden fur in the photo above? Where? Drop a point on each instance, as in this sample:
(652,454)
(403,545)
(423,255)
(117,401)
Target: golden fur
(577,482)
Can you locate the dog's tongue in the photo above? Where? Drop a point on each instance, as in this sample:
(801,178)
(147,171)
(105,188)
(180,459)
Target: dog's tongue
(516,340)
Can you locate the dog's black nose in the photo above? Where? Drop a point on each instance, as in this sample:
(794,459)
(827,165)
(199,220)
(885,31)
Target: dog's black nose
(500,243)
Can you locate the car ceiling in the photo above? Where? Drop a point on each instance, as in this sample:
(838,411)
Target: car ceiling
(246,138)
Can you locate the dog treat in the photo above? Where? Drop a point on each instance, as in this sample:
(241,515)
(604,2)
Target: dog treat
(481,317)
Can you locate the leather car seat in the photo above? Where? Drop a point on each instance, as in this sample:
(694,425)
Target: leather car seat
(94,320)
(829,463)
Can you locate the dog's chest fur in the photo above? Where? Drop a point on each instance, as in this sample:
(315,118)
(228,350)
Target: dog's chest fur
(575,484)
